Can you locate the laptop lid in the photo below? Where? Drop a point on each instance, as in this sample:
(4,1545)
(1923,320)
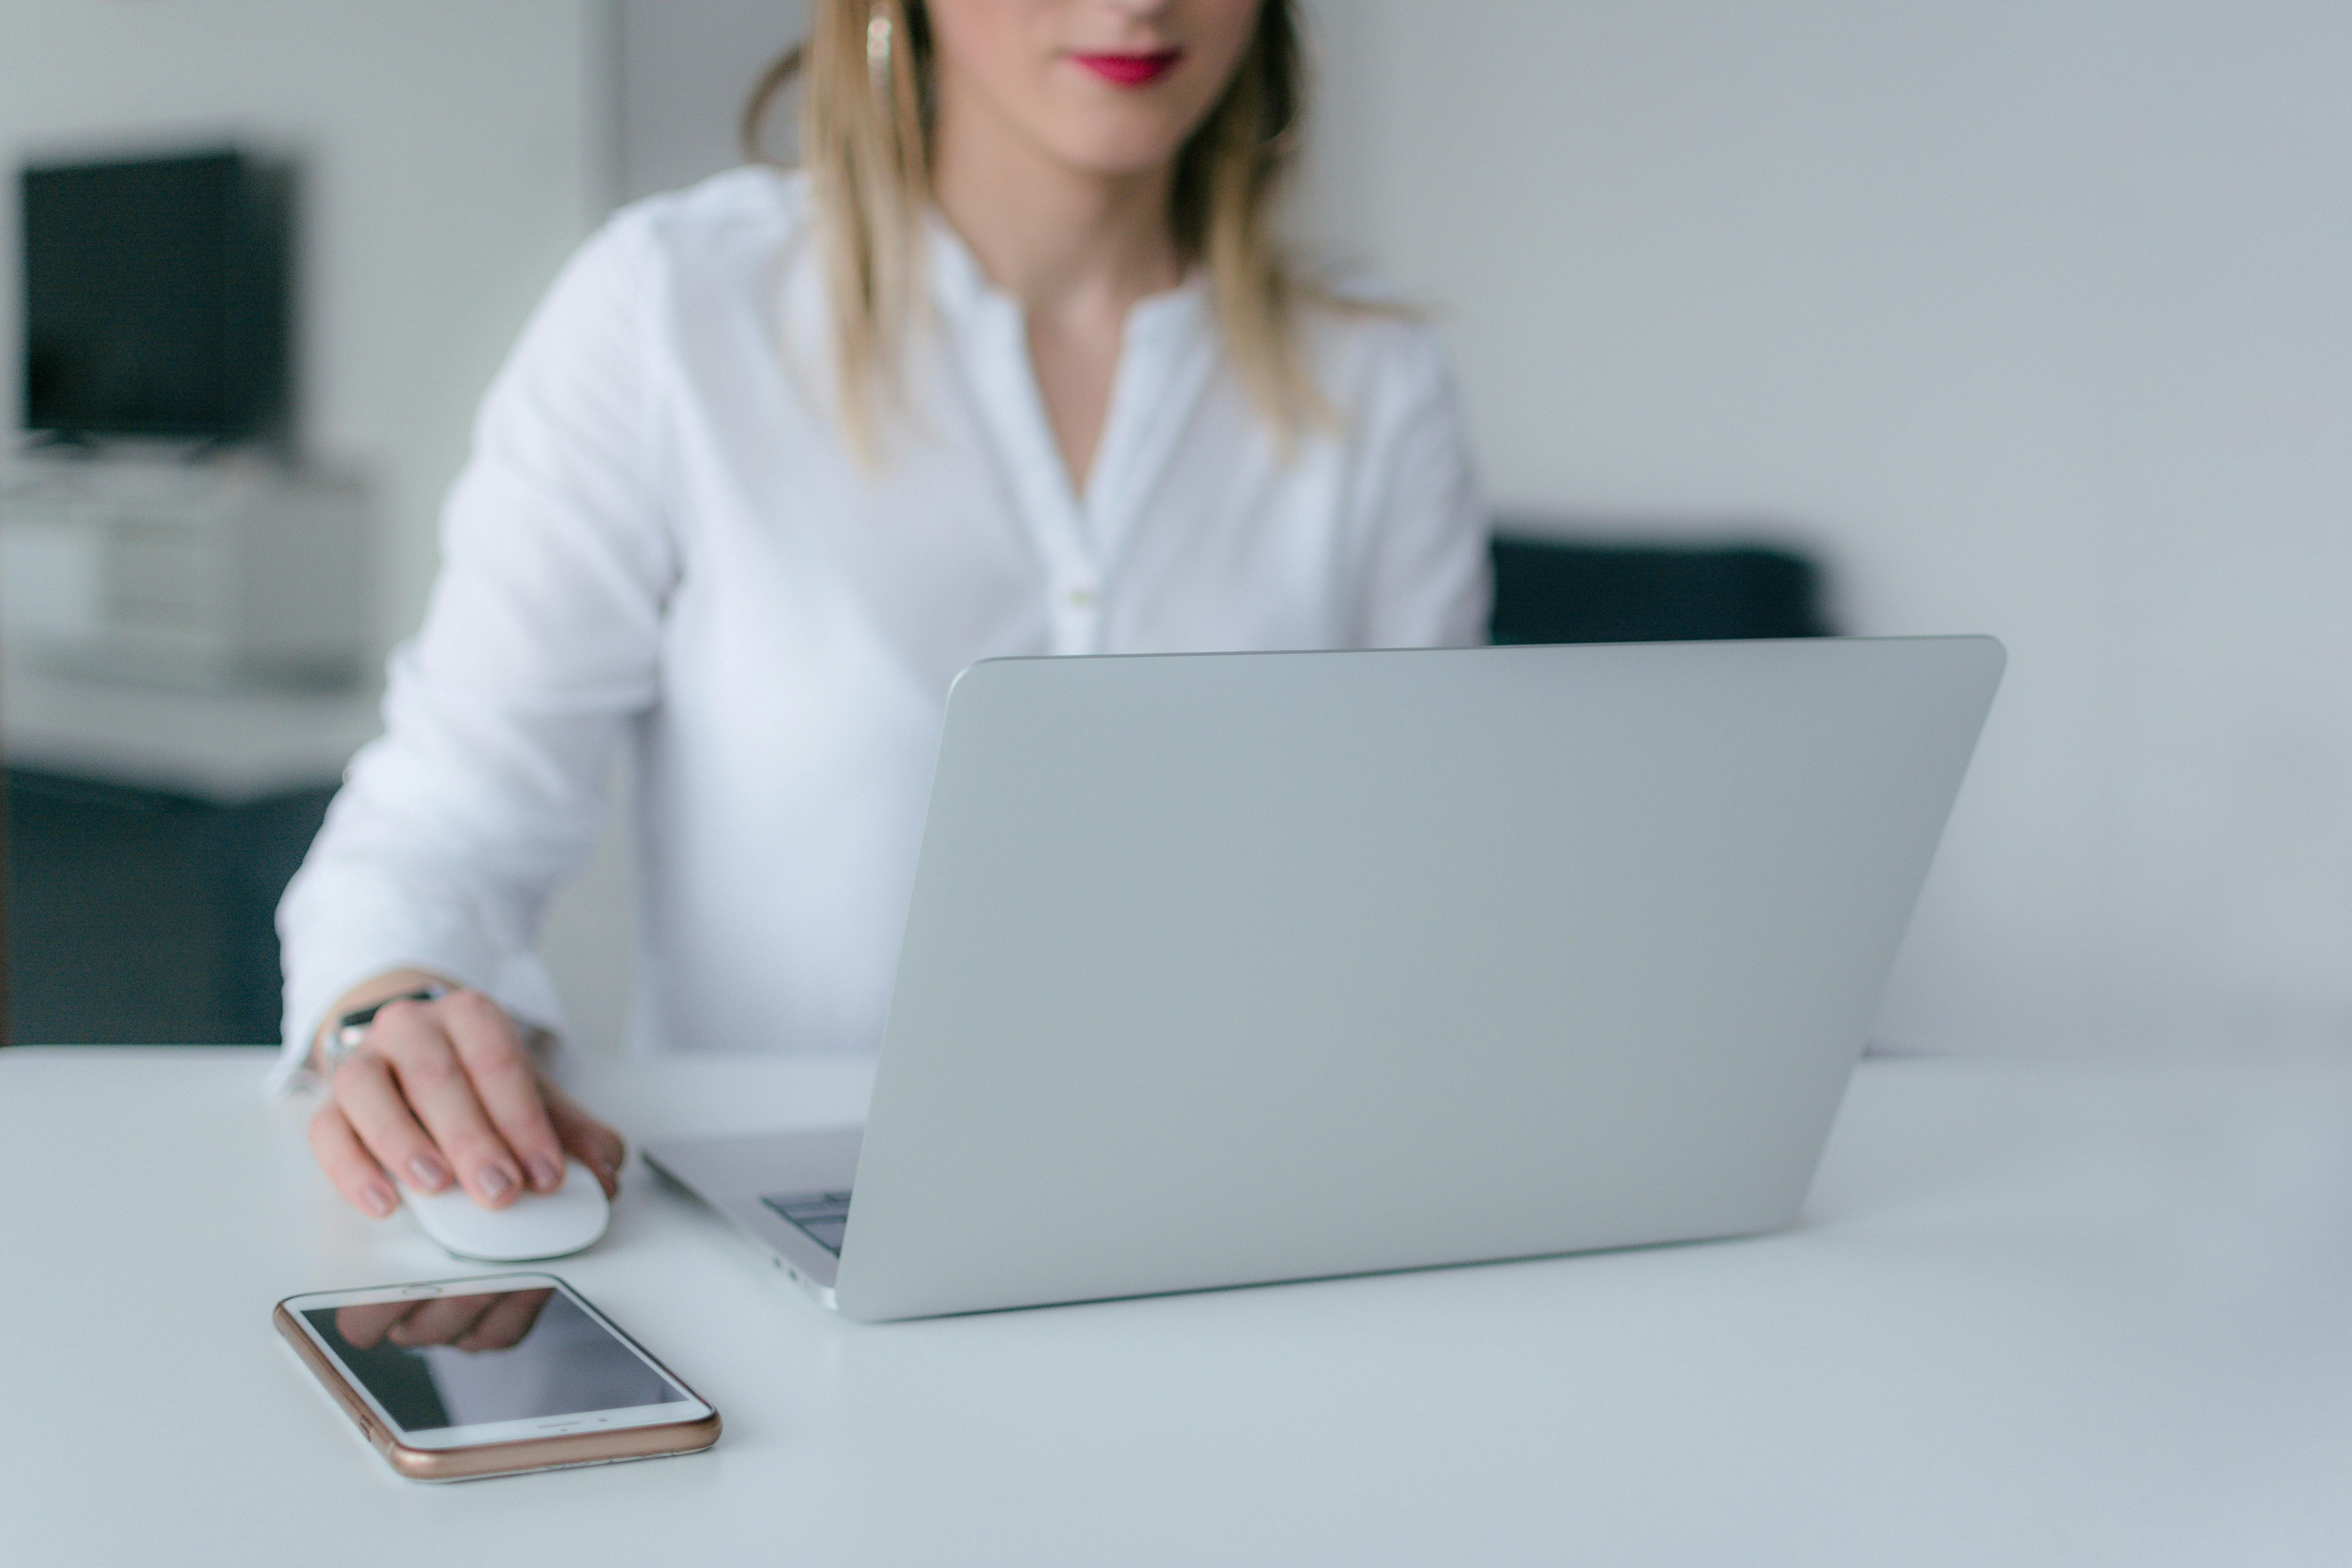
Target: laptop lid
(1225,969)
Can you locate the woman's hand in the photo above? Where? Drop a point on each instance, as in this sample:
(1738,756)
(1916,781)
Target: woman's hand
(492,1323)
(446,1089)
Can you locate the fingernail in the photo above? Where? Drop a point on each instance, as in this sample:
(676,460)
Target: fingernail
(377,1199)
(545,1173)
(493,1180)
(429,1173)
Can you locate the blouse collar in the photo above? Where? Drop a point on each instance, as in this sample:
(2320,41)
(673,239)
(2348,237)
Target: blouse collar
(961,290)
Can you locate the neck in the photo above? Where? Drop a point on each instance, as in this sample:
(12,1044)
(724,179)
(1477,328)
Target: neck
(1056,238)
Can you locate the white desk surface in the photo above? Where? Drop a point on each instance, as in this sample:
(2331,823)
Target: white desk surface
(2034,1314)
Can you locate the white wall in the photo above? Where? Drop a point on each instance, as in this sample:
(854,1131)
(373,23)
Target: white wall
(685,69)
(2039,319)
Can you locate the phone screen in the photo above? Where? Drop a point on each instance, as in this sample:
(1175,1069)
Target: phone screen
(470,1360)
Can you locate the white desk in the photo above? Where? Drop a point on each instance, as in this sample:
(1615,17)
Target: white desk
(2035,1315)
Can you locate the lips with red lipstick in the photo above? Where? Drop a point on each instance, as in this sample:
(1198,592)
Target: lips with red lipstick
(1130,71)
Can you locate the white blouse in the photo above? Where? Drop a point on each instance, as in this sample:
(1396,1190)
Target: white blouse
(662,546)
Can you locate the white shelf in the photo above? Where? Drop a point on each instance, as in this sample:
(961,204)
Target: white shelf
(226,747)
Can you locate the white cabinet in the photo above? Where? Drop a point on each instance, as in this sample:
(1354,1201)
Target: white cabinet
(233,572)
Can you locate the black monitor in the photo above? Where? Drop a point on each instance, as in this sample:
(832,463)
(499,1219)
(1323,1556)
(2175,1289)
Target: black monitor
(156,297)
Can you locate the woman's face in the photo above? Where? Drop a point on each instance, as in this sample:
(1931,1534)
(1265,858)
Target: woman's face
(1111,87)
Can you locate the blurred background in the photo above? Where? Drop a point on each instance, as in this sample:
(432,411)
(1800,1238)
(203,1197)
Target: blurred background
(2010,318)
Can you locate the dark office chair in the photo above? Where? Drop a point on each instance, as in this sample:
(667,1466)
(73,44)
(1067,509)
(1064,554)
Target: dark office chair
(1555,589)
(3,917)
(145,918)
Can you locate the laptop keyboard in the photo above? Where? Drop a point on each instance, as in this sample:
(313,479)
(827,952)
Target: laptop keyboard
(821,1216)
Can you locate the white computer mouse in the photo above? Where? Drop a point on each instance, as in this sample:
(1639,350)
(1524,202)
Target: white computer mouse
(536,1225)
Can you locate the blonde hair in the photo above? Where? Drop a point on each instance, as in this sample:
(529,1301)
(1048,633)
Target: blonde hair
(865,123)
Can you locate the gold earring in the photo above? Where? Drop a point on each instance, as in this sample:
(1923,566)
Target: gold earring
(877,50)
(1285,141)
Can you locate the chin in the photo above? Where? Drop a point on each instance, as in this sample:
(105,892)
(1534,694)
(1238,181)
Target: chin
(1119,150)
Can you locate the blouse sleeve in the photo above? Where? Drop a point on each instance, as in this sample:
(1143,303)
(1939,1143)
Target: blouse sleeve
(541,643)
(1427,581)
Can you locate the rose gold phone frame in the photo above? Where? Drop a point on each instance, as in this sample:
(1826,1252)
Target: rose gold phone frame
(502,1459)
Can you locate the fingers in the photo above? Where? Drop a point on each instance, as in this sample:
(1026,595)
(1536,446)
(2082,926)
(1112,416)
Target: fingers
(364,1328)
(507,1083)
(491,1322)
(348,1164)
(443,1320)
(369,1099)
(446,1088)
(598,1146)
(412,1038)
(509,1317)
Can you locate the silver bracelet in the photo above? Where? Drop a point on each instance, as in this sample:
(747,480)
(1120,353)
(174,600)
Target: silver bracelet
(351,1030)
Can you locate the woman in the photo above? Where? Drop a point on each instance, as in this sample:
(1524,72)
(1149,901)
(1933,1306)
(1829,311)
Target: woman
(1013,366)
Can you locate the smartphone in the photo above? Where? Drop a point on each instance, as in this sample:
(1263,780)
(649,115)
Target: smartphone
(453,1379)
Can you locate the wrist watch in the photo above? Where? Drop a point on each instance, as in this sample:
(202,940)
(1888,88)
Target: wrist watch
(351,1030)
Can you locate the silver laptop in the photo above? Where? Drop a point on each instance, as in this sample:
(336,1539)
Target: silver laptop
(1228,968)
